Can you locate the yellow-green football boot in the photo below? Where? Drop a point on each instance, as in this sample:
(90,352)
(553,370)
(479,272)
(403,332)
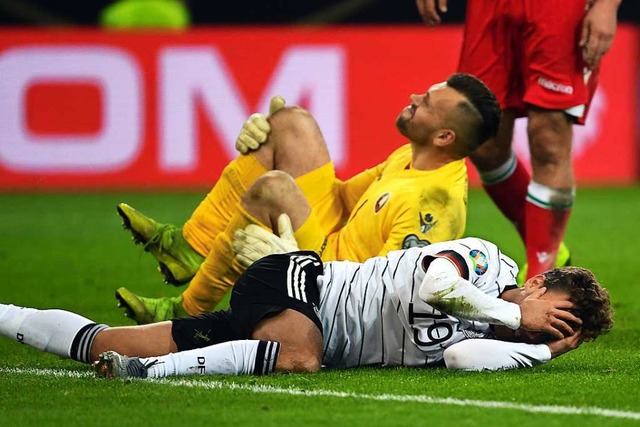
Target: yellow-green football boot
(150,310)
(177,261)
(563,258)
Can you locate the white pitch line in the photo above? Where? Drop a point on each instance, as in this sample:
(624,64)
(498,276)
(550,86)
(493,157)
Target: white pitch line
(218,385)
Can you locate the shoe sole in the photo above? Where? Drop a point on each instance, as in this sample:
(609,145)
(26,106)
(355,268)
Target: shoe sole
(168,277)
(138,239)
(130,312)
(103,367)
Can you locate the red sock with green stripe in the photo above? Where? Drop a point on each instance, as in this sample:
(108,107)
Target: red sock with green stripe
(547,214)
(507,187)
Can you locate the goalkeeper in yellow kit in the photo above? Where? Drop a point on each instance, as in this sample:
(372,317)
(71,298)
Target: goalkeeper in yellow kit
(416,197)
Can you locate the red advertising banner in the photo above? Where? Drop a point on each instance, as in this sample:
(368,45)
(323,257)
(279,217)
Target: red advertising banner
(88,109)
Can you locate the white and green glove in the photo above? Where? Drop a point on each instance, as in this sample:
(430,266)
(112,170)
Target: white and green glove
(254,242)
(257,128)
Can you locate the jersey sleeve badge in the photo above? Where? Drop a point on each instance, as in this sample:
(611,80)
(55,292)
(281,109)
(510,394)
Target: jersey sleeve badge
(479,260)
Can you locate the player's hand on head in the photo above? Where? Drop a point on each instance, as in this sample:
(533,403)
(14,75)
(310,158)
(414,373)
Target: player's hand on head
(429,10)
(566,344)
(256,129)
(551,316)
(254,242)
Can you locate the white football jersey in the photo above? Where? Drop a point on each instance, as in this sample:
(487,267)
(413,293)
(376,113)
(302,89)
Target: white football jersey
(371,313)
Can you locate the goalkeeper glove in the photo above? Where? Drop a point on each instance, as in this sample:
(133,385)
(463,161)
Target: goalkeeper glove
(256,129)
(254,242)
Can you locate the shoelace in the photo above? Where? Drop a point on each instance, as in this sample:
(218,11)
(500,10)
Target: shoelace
(163,238)
(141,369)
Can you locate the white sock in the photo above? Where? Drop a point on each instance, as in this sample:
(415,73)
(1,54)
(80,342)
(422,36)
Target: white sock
(550,198)
(58,332)
(228,358)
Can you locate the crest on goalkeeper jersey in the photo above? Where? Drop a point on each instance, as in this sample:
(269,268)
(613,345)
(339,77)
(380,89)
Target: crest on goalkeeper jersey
(427,222)
(382,200)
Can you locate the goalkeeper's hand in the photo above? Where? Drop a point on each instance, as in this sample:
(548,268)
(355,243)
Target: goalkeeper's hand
(257,128)
(254,242)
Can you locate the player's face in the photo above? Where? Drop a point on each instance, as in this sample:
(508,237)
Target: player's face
(420,120)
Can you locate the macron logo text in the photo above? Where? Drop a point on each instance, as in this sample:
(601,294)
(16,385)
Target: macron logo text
(556,87)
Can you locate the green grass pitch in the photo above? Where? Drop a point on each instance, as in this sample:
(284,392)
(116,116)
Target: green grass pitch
(68,251)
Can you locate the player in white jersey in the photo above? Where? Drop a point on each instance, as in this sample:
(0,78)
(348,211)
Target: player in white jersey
(453,302)
(372,312)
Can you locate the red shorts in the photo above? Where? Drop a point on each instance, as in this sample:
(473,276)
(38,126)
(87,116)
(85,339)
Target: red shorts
(527,52)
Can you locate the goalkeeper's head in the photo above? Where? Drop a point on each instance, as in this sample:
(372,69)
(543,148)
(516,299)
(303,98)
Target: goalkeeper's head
(458,115)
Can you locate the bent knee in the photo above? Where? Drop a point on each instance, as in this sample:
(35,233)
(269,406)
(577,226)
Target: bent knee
(291,117)
(275,179)
(273,186)
(295,132)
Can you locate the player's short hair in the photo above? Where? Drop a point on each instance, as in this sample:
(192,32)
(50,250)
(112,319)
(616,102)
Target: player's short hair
(593,305)
(480,116)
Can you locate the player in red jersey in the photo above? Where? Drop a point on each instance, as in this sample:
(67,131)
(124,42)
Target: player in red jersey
(541,58)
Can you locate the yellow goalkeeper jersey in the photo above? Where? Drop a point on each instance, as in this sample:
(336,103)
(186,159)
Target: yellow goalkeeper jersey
(393,206)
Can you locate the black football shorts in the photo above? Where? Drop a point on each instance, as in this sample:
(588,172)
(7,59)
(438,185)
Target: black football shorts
(268,287)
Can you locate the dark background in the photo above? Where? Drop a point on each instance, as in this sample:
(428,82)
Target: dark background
(216,12)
